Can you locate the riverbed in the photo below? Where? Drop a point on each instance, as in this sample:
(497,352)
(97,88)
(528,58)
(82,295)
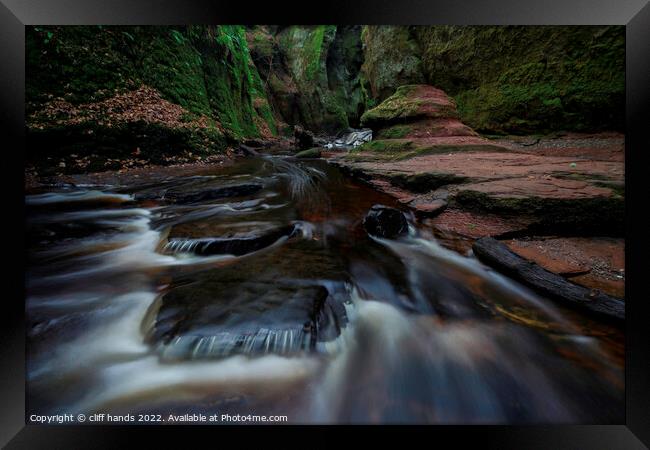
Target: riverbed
(298,311)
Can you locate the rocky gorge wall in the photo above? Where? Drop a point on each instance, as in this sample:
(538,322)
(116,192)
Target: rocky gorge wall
(208,87)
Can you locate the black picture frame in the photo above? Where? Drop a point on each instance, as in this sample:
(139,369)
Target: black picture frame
(634,14)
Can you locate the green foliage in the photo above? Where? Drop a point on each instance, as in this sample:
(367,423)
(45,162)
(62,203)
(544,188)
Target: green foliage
(205,69)
(80,64)
(523,79)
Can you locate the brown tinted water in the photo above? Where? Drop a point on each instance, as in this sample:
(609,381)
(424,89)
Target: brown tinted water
(320,322)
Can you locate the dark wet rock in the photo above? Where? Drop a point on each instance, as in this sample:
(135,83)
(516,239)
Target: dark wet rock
(310,153)
(235,190)
(285,301)
(554,286)
(248,150)
(254,318)
(229,246)
(304,138)
(385,222)
(255,143)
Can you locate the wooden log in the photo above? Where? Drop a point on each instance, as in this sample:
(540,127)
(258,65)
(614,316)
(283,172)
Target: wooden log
(548,284)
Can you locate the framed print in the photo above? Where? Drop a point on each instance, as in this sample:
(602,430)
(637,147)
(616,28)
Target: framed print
(414,217)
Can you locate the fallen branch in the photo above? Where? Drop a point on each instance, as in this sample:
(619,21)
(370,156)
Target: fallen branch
(499,256)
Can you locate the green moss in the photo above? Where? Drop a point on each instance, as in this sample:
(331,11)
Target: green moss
(446,149)
(313,51)
(172,65)
(309,153)
(394,132)
(523,79)
(233,85)
(427,181)
(405,106)
(385,146)
(81,64)
(400,149)
(591,215)
(325,96)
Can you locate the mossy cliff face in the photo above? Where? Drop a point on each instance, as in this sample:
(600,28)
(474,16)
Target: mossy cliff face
(311,74)
(511,79)
(207,71)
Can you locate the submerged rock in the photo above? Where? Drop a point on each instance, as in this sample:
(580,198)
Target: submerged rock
(229,246)
(413,103)
(385,222)
(236,190)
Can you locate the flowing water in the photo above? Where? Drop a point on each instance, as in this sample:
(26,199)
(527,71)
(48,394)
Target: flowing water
(268,298)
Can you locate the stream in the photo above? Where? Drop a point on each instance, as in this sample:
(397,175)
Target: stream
(254,289)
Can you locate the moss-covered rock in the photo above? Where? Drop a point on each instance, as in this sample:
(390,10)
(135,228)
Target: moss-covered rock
(323,64)
(207,70)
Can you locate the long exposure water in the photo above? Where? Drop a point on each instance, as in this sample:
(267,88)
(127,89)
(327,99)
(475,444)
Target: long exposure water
(254,289)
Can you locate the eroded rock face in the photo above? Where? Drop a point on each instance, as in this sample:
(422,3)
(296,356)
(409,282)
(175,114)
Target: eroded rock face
(385,222)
